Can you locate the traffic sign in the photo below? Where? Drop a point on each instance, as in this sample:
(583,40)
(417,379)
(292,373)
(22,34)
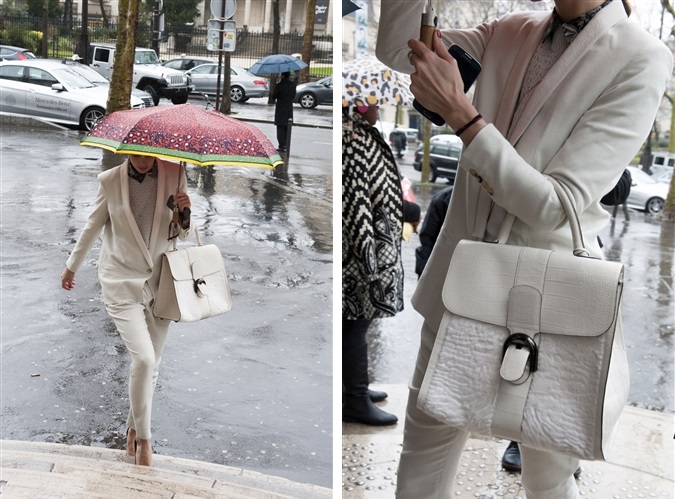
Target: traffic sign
(217,8)
(214,29)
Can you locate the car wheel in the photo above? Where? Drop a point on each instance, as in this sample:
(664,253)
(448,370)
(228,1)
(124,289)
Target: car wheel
(654,205)
(153,93)
(237,94)
(307,101)
(90,117)
(179,99)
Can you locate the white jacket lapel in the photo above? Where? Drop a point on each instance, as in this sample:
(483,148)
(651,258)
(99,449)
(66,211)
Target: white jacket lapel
(160,207)
(604,20)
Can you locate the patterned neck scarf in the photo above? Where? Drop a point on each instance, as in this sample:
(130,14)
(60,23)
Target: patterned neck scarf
(571,28)
(138,176)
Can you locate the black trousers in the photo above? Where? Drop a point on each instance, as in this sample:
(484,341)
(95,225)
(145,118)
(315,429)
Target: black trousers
(281,136)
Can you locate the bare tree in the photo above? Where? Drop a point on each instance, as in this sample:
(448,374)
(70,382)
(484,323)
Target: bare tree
(307,40)
(463,14)
(276,33)
(123,66)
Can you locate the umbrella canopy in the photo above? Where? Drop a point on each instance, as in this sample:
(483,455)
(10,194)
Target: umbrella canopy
(368,82)
(349,7)
(184,133)
(278,63)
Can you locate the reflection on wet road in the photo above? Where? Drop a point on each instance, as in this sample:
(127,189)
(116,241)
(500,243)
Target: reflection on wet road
(251,388)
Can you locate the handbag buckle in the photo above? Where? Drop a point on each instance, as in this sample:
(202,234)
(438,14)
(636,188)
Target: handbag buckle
(200,286)
(521,340)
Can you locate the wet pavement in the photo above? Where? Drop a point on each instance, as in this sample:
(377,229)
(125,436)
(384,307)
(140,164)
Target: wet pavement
(248,389)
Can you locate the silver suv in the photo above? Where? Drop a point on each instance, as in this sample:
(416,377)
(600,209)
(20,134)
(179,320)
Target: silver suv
(148,75)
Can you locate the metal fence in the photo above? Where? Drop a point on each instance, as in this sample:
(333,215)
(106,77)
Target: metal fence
(64,36)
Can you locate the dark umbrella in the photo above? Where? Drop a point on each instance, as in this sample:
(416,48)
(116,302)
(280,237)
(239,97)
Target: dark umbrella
(349,7)
(278,63)
(184,133)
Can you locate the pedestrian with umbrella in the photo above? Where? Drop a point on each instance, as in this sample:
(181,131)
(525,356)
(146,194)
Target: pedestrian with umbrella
(284,92)
(374,213)
(134,209)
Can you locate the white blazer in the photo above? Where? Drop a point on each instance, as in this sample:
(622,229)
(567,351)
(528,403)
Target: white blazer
(125,262)
(583,124)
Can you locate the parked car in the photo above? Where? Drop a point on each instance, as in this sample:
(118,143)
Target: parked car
(444,158)
(49,89)
(94,77)
(148,74)
(187,62)
(310,95)
(448,138)
(243,85)
(10,53)
(646,194)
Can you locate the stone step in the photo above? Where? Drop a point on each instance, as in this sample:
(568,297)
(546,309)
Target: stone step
(43,470)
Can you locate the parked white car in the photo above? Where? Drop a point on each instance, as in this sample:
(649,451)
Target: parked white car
(93,76)
(49,89)
(646,194)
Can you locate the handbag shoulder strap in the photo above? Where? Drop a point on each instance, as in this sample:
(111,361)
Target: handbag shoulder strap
(571,214)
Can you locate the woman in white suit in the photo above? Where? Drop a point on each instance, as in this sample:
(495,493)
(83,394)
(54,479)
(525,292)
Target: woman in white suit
(571,94)
(132,210)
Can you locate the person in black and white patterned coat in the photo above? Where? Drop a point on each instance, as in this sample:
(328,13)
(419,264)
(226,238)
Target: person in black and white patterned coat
(374,212)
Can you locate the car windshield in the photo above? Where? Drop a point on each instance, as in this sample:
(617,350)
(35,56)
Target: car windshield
(641,177)
(72,79)
(146,57)
(89,74)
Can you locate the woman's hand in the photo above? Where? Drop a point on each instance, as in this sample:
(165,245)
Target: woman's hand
(182,200)
(437,84)
(67,279)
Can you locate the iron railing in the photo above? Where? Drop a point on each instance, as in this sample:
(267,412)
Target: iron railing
(64,36)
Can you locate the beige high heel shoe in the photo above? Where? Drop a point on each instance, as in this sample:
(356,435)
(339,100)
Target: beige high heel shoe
(144,452)
(131,442)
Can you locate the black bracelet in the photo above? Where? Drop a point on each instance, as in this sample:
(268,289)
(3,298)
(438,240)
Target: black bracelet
(469,124)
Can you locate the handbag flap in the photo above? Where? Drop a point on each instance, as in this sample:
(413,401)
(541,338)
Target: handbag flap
(580,296)
(194,262)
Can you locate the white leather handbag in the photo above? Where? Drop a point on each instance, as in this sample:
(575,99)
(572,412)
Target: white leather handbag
(530,348)
(193,284)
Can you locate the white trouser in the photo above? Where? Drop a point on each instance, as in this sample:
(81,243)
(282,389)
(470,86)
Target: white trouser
(432,450)
(144,336)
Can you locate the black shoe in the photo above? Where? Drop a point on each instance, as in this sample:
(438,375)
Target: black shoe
(362,410)
(377,396)
(511,459)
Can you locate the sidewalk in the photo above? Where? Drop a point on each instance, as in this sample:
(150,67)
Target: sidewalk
(641,464)
(37,470)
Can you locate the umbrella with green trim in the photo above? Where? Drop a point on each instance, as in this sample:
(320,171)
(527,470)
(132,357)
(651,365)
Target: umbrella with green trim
(184,132)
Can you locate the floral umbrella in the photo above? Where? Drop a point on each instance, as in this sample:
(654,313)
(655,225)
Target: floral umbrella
(368,82)
(184,133)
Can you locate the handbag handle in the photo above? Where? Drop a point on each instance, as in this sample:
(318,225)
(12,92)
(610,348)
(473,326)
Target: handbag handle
(197,232)
(571,214)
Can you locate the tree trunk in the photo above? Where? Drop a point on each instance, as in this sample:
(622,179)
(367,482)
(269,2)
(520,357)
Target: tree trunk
(123,66)
(103,12)
(226,103)
(307,40)
(276,33)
